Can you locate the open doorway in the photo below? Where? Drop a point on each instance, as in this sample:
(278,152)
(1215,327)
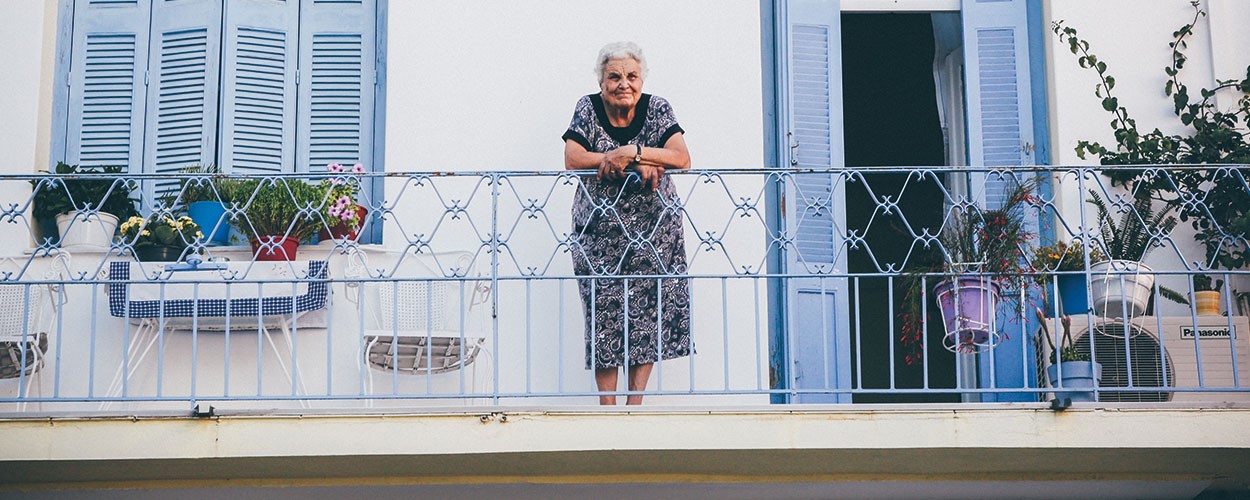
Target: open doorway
(891,117)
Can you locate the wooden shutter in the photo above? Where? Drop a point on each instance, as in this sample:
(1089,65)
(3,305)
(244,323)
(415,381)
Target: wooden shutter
(337,48)
(258,99)
(107,71)
(184,68)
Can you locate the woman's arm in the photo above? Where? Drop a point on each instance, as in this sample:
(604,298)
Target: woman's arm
(673,155)
(610,165)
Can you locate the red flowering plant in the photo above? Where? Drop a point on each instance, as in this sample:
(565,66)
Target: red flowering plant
(995,244)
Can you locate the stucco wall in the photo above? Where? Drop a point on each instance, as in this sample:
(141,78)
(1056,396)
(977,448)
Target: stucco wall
(489,85)
(1132,38)
(27,32)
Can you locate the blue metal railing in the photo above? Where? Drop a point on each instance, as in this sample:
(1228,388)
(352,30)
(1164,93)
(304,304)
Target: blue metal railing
(471,297)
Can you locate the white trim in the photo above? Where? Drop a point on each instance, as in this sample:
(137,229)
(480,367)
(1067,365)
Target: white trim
(900,5)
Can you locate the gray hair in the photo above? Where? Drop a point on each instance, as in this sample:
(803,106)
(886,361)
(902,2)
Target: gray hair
(619,50)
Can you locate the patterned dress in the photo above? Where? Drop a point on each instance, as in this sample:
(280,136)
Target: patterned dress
(623,228)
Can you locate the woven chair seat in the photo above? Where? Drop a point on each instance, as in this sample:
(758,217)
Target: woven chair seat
(11,362)
(417,354)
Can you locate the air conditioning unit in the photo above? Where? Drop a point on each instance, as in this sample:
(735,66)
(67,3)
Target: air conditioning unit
(1213,356)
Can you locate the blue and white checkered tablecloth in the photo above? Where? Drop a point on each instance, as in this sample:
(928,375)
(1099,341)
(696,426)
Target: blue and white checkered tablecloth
(169,295)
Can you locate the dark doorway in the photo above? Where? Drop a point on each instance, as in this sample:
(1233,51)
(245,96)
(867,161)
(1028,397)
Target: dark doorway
(890,115)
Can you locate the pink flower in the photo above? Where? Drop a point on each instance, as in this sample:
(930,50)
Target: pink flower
(358,168)
(334,167)
(343,201)
(335,210)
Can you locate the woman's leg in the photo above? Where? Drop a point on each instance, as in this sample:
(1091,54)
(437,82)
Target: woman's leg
(638,375)
(605,379)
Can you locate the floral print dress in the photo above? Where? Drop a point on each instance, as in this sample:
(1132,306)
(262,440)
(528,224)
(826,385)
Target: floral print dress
(622,228)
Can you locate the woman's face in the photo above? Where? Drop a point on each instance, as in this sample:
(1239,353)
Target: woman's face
(622,82)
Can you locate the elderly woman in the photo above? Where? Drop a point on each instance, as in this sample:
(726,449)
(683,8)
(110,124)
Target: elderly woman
(628,224)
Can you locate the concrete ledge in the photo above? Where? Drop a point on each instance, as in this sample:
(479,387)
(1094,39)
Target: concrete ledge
(659,446)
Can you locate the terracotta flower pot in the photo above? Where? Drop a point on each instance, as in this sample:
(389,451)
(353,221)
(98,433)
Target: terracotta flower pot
(274,248)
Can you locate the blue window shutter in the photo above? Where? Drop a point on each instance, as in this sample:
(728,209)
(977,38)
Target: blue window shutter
(107,70)
(817,310)
(183,68)
(258,86)
(815,69)
(337,48)
(996,65)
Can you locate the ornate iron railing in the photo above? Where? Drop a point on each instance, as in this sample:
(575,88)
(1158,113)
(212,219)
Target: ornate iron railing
(838,286)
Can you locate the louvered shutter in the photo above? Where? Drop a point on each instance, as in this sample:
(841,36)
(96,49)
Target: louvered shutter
(817,308)
(258,82)
(1000,134)
(336,83)
(108,61)
(996,67)
(183,70)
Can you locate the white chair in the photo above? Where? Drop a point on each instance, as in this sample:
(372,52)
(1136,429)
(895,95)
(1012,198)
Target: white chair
(24,327)
(423,314)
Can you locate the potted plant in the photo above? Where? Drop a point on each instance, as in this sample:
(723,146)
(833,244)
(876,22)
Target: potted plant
(1207,295)
(85,211)
(1122,283)
(277,214)
(985,255)
(1073,369)
(344,216)
(160,237)
(1068,262)
(206,199)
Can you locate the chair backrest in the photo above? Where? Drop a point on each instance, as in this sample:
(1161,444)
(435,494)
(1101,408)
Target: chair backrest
(21,310)
(22,304)
(429,294)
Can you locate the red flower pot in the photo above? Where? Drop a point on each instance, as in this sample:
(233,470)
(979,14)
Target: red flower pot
(343,230)
(281,248)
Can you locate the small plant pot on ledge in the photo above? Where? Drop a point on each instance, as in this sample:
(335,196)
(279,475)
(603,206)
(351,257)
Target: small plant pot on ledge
(274,248)
(344,231)
(1076,375)
(80,230)
(211,216)
(158,253)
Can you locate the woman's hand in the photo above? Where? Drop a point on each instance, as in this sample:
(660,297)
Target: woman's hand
(616,161)
(650,175)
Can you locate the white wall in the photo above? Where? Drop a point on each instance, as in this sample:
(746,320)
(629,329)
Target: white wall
(489,85)
(27,33)
(1131,37)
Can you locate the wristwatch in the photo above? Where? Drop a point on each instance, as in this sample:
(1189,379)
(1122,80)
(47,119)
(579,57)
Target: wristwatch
(638,155)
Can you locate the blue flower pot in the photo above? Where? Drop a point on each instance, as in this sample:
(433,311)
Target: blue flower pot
(1076,375)
(211,216)
(1073,294)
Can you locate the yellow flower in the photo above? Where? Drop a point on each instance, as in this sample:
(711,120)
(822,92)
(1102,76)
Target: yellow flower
(145,232)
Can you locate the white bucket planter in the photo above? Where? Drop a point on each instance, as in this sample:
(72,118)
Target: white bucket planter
(1120,286)
(82,231)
